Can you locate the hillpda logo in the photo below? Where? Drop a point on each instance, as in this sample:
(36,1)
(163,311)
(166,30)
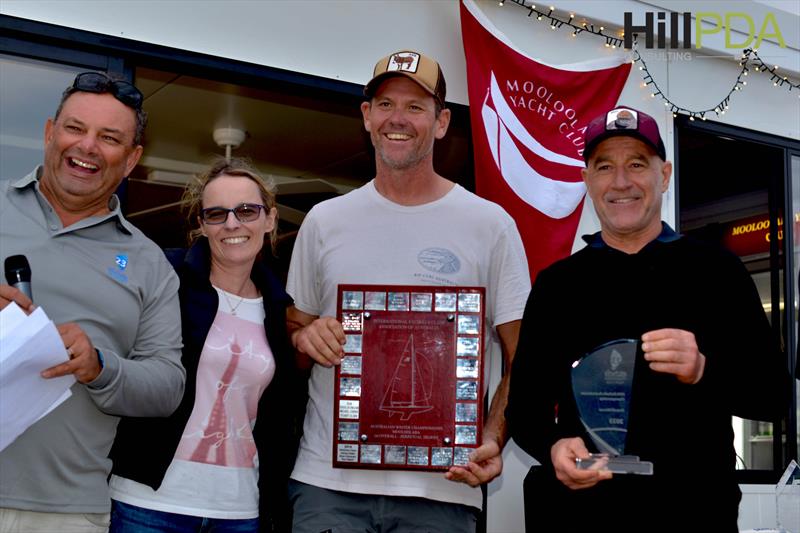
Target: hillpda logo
(680,29)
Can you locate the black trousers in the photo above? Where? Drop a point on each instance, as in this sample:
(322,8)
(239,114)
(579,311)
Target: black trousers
(628,503)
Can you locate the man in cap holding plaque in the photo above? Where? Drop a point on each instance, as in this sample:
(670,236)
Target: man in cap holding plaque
(708,354)
(408,226)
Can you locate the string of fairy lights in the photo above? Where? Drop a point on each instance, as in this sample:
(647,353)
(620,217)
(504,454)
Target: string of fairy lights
(749,59)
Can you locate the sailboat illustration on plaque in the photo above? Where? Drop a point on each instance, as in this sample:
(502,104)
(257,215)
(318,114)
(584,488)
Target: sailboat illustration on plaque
(409,390)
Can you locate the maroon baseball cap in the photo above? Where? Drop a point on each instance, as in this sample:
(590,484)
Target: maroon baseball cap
(624,121)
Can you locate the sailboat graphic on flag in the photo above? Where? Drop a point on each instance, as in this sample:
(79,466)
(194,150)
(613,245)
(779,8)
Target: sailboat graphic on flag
(528,120)
(504,133)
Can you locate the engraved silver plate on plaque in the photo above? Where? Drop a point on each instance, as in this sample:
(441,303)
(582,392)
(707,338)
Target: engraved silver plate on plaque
(421,301)
(349,431)
(394,455)
(351,364)
(466,434)
(465,347)
(352,300)
(371,454)
(347,453)
(445,301)
(352,321)
(469,302)
(352,343)
(466,368)
(468,324)
(466,390)
(352,387)
(461,456)
(375,301)
(348,409)
(398,301)
(418,455)
(466,412)
(441,456)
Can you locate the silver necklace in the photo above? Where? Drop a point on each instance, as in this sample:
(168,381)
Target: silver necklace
(232,307)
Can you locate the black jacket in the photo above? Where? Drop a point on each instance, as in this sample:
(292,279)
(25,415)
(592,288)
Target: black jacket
(137,456)
(600,294)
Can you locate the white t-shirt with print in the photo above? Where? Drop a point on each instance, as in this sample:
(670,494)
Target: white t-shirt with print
(214,473)
(362,237)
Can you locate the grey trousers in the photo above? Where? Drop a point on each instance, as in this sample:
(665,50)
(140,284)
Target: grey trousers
(318,510)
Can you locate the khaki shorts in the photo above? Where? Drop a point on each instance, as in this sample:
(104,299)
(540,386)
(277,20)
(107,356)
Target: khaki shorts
(18,521)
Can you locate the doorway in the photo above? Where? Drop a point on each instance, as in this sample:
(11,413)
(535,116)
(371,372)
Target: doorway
(734,189)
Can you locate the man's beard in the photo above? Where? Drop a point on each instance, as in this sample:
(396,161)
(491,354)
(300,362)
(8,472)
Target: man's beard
(409,161)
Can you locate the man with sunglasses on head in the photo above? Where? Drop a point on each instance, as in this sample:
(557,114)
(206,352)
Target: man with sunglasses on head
(706,353)
(408,226)
(112,294)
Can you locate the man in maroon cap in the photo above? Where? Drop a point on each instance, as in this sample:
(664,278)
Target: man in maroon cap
(706,354)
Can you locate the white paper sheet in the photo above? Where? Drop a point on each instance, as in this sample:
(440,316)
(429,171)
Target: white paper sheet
(28,345)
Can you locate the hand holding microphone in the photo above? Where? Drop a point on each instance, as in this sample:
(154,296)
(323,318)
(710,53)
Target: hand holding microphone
(18,276)
(83,358)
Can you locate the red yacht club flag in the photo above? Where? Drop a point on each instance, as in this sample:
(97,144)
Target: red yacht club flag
(528,121)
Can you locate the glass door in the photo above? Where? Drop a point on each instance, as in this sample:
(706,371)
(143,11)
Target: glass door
(740,202)
(794,175)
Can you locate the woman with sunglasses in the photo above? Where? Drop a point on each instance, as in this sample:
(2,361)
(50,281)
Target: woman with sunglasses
(221,461)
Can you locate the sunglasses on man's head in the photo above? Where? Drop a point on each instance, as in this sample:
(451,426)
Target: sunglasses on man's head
(242,212)
(97,82)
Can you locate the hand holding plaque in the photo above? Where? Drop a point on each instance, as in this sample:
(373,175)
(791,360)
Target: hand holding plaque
(602,382)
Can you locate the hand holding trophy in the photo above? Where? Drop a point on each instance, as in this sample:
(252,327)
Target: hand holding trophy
(602,383)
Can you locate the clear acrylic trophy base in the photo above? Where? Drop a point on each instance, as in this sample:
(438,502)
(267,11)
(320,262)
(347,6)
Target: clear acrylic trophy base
(617,464)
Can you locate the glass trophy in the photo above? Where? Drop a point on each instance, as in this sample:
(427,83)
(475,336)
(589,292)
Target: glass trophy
(787,499)
(602,382)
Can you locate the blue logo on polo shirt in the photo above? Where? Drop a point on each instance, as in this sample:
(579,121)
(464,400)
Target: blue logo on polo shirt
(121,262)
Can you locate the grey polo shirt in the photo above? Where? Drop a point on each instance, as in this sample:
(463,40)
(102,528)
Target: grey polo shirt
(116,284)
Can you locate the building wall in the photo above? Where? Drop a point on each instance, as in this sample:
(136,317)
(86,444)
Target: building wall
(342,39)
(297,36)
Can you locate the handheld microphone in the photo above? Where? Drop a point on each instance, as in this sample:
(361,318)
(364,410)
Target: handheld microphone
(18,274)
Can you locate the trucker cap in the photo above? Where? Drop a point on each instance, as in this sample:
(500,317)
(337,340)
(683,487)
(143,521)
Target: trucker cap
(415,66)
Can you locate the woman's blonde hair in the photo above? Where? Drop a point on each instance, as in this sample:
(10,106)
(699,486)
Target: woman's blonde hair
(236,167)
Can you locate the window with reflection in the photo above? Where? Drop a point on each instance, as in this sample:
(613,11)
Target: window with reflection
(29,94)
(740,203)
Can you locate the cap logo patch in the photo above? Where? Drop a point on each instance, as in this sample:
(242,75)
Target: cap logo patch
(405,61)
(622,119)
